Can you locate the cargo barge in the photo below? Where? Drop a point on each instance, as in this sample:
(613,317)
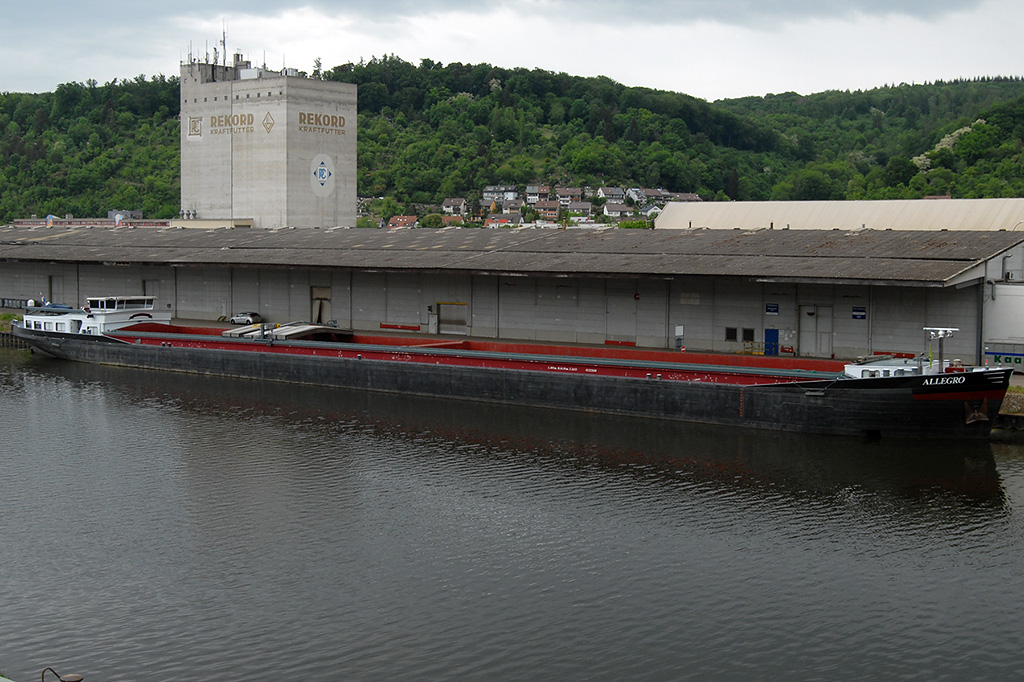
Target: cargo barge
(880,397)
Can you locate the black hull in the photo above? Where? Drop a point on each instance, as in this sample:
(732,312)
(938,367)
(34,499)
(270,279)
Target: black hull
(904,407)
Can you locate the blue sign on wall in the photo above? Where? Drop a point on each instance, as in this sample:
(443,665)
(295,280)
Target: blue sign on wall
(771,308)
(860,312)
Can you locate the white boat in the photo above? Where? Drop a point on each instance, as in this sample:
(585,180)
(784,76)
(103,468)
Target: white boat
(100,315)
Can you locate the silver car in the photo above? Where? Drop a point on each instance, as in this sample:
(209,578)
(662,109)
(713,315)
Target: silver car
(245,318)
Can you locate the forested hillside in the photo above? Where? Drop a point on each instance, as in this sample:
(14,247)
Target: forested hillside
(87,149)
(431,131)
(961,138)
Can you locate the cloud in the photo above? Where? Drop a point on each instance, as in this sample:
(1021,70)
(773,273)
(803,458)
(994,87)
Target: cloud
(708,58)
(756,13)
(707,48)
(111,19)
(657,11)
(619,12)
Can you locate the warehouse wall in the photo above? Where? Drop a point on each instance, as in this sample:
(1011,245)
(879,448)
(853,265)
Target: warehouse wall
(1005,310)
(900,314)
(844,321)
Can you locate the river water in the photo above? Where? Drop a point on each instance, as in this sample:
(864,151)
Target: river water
(172,527)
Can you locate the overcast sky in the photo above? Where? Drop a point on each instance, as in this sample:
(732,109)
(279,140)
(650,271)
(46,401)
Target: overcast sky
(711,49)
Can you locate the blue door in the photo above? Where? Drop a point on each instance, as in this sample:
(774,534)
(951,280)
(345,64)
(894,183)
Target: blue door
(771,341)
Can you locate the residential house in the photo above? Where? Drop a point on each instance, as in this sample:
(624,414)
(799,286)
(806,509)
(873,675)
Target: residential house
(403,221)
(535,193)
(684,196)
(581,208)
(504,220)
(547,209)
(650,212)
(637,195)
(657,196)
(614,195)
(499,193)
(513,206)
(455,206)
(617,210)
(642,196)
(568,194)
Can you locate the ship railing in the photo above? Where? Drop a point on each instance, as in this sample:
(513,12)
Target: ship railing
(53,309)
(753,348)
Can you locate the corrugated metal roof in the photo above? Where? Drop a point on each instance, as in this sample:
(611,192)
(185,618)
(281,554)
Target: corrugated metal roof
(900,214)
(924,257)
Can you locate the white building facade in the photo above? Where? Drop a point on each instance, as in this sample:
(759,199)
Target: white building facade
(271,146)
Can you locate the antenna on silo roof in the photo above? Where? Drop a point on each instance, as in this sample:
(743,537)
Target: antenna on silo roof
(224,39)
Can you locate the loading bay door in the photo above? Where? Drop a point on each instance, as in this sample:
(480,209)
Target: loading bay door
(452,318)
(816,331)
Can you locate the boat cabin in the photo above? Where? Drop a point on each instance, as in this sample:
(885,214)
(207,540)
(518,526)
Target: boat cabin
(101,314)
(120,303)
(904,364)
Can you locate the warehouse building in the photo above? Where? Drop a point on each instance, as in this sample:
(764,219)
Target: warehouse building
(940,213)
(816,293)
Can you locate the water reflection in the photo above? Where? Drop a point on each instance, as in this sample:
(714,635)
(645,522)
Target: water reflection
(227,529)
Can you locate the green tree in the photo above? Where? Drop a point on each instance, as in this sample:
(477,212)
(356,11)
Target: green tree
(431,220)
(899,171)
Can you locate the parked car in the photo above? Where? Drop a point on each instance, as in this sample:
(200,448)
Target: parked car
(245,318)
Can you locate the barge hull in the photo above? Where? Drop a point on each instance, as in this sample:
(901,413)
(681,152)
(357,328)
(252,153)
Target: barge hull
(904,407)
